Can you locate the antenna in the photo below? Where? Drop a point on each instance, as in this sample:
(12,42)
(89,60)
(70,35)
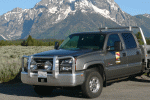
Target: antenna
(129,21)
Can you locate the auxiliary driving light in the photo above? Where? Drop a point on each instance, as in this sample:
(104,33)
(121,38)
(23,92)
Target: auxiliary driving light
(48,65)
(33,65)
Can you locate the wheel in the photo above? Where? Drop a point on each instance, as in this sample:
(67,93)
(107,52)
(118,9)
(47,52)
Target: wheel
(148,74)
(131,77)
(43,90)
(93,84)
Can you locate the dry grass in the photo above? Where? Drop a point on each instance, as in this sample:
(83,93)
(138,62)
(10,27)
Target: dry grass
(10,59)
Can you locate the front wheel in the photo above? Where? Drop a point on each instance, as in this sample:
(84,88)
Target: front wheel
(92,87)
(43,90)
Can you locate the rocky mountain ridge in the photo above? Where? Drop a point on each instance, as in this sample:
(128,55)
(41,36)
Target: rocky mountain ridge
(59,18)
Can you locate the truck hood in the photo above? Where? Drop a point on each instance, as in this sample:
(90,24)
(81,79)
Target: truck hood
(62,52)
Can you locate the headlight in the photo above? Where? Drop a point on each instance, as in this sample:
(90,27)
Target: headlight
(66,65)
(33,65)
(25,64)
(48,65)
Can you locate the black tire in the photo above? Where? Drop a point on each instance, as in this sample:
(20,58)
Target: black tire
(43,90)
(148,74)
(93,84)
(131,77)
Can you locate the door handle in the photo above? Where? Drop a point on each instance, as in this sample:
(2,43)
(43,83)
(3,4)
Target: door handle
(124,54)
(137,52)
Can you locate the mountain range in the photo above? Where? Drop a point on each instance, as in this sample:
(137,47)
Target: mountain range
(59,18)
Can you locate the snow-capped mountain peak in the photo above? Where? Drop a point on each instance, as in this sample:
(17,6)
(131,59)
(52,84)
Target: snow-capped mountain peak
(61,16)
(71,6)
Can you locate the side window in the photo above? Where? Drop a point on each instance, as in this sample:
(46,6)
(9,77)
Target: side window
(129,40)
(111,41)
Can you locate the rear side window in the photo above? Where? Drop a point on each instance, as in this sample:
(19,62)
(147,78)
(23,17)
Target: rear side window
(129,40)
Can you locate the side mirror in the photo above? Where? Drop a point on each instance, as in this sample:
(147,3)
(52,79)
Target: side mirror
(108,48)
(118,46)
(56,45)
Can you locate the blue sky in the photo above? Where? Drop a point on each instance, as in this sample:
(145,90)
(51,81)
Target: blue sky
(132,7)
(8,5)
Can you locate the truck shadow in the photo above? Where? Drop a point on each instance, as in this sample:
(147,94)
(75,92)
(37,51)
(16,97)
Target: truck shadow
(20,89)
(16,87)
(67,93)
(143,79)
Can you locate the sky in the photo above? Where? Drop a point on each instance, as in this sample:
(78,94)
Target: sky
(132,7)
(8,5)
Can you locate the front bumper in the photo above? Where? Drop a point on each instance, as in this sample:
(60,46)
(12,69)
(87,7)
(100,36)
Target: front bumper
(61,80)
(55,78)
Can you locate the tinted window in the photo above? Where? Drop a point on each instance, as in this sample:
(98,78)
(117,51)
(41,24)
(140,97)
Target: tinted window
(84,41)
(72,42)
(111,41)
(129,40)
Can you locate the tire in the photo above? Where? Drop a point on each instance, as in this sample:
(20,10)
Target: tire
(148,74)
(93,84)
(131,77)
(43,90)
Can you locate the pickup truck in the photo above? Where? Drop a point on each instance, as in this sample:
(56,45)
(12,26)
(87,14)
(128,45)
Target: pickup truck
(87,60)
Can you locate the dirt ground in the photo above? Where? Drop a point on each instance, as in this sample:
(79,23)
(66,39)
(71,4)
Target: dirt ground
(125,89)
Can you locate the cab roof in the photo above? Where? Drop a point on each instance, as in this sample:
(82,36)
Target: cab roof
(105,32)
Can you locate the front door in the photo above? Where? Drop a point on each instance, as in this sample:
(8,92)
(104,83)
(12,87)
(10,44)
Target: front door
(116,61)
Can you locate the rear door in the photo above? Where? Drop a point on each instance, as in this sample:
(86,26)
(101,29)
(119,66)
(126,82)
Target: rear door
(133,54)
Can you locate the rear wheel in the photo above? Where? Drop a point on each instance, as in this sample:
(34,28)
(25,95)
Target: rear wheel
(92,87)
(43,90)
(131,77)
(148,73)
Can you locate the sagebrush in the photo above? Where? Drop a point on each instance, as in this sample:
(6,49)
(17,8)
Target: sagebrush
(10,59)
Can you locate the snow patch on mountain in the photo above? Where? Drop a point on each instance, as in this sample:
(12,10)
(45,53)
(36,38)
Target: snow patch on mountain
(13,16)
(63,15)
(104,12)
(112,4)
(52,10)
(72,1)
(147,15)
(3,37)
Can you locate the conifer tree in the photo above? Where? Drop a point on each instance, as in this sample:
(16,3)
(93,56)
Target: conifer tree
(139,37)
(30,41)
(23,43)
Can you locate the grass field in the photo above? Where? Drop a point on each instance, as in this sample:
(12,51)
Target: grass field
(10,59)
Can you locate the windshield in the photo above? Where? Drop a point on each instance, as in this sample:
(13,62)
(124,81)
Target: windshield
(84,41)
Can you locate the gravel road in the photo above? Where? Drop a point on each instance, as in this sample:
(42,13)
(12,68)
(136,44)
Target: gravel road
(135,89)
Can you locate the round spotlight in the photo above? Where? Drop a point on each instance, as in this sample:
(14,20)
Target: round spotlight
(33,65)
(48,65)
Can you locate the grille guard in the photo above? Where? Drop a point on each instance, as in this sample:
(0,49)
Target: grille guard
(55,70)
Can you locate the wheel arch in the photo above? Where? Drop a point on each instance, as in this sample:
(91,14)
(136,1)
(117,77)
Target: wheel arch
(98,66)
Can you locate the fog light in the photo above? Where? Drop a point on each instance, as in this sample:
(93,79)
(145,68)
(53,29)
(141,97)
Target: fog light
(33,65)
(48,65)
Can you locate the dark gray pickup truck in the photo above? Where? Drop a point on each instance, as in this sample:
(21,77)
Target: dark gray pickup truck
(88,60)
